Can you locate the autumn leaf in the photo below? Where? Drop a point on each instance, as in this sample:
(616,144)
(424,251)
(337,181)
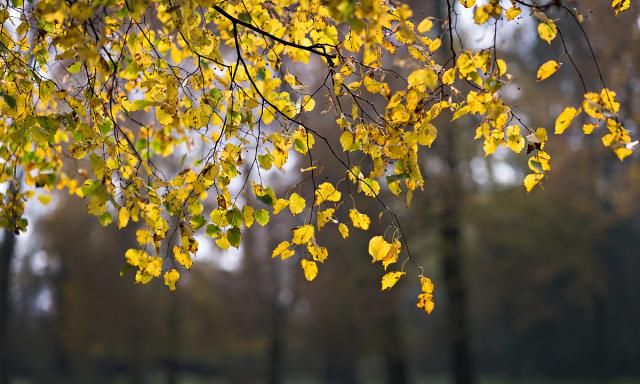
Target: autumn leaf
(310,269)
(564,119)
(547,69)
(171,278)
(359,220)
(547,30)
(283,251)
(620,5)
(344,230)
(467,3)
(390,279)
(296,204)
(327,192)
(303,234)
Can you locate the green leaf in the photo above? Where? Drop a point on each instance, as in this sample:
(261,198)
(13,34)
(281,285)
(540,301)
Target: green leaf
(268,197)
(262,216)
(393,178)
(75,67)
(212,230)
(233,235)
(265,161)
(105,219)
(234,217)
(10,100)
(197,222)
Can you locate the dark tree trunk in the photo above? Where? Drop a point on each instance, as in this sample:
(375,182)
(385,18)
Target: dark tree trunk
(274,370)
(6,255)
(395,358)
(600,338)
(456,304)
(173,327)
(339,369)
(452,268)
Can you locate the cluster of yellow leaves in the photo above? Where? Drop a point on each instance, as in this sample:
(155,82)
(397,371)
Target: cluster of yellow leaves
(156,85)
(148,266)
(621,5)
(602,108)
(387,254)
(425,299)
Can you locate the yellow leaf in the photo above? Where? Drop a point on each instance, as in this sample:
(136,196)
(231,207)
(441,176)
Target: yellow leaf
(222,242)
(171,278)
(308,103)
(502,67)
(346,140)
(426,285)
(422,79)
(449,76)
(44,199)
(134,256)
(513,12)
(344,230)
(531,180)
(547,69)
(425,299)
(425,25)
(460,112)
(359,220)
(303,234)
(310,269)
(282,250)
(327,192)
(622,152)
(620,5)
(280,205)
(547,30)
(382,251)
(318,253)
(297,204)
(468,3)
(248,212)
(588,128)
(324,217)
(182,257)
(123,217)
(514,140)
(426,133)
(143,236)
(390,279)
(482,13)
(370,187)
(163,116)
(565,118)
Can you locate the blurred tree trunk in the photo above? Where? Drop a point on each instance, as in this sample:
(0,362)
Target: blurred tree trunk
(339,368)
(452,267)
(275,353)
(173,321)
(171,362)
(277,326)
(267,285)
(6,255)
(394,348)
(451,246)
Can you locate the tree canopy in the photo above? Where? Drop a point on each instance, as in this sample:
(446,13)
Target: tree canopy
(170,115)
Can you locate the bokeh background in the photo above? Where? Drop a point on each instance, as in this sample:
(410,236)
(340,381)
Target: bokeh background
(537,288)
